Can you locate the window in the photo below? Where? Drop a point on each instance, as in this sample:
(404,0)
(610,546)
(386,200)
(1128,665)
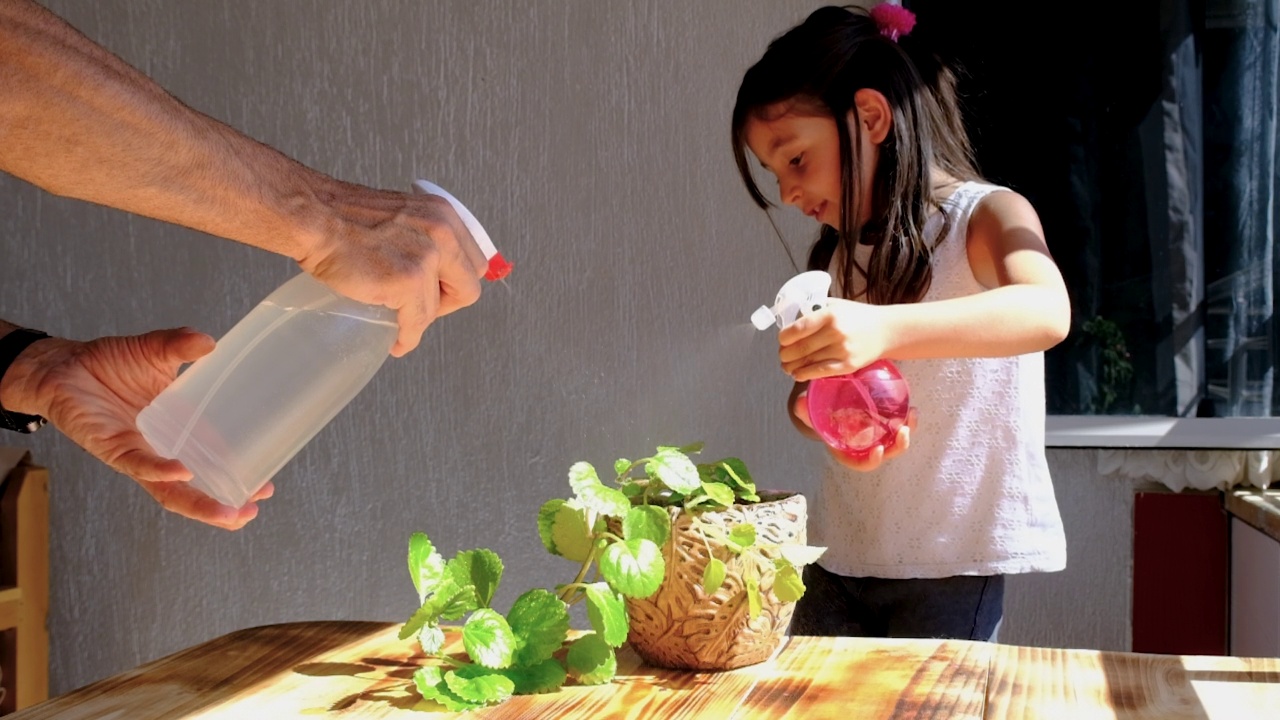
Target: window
(1145,135)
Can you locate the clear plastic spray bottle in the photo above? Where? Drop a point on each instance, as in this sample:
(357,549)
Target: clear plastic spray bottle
(237,415)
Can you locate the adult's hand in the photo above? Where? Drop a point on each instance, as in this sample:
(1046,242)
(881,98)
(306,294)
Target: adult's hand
(409,252)
(93,391)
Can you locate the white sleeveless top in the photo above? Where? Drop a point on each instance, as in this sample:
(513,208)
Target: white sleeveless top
(972,495)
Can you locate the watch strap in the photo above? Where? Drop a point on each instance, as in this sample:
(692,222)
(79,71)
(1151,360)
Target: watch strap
(11,346)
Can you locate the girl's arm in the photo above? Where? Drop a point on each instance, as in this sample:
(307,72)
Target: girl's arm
(798,411)
(1026,308)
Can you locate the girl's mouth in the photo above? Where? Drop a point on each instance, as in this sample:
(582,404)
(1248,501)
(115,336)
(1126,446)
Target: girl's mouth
(816,211)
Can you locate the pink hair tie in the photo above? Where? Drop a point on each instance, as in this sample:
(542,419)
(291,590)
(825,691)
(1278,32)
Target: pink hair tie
(893,20)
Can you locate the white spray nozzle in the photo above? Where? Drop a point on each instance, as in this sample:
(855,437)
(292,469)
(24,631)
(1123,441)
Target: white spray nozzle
(763,317)
(499,268)
(803,294)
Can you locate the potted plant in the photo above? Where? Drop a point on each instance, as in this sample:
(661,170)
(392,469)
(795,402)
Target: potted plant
(684,560)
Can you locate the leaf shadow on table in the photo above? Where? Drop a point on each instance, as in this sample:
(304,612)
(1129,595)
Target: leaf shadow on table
(390,680)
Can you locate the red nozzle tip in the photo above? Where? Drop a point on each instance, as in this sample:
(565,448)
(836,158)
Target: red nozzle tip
(498,268)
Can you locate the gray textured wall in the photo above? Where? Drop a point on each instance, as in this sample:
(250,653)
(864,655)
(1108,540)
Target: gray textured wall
(591,139)
(1090,603)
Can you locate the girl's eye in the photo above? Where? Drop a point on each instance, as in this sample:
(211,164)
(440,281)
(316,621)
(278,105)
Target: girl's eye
(795,161)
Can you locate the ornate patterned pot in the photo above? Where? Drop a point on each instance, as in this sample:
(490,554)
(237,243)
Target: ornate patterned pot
(680,626)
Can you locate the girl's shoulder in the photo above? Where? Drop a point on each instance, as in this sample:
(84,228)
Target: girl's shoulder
(981,208)
(969,193)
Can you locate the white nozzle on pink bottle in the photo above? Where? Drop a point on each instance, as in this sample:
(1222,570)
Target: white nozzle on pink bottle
(800,295)
(499,268)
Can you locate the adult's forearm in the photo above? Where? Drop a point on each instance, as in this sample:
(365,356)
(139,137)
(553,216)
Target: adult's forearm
(79,122)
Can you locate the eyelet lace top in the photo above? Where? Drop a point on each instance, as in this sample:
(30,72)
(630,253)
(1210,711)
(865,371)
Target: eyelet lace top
(972,495)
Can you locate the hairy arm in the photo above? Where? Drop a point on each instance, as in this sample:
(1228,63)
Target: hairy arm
(79,122)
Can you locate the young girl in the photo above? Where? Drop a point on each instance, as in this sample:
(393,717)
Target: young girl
(947,276)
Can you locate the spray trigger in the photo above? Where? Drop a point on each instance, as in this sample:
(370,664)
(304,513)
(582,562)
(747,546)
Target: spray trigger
(498,268)
(802,295)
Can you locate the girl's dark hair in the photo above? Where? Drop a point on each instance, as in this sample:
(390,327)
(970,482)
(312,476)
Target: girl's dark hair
(817,66)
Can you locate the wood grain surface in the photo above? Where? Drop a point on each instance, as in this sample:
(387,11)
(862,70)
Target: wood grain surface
(354,669)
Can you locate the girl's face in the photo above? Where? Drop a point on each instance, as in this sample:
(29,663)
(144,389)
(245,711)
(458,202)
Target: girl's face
(802,150)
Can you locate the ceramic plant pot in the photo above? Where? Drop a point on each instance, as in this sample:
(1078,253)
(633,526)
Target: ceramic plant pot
(680,626)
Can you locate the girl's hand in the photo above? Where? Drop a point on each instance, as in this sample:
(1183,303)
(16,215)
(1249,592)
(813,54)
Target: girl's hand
(878,454)
(843,337)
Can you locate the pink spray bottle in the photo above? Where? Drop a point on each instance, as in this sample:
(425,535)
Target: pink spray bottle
(852,413)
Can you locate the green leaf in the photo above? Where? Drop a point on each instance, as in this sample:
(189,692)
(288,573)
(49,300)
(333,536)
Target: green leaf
(799,555)
(431,639)
(540,622)
(581,475)
(594,495)
(479,685)
(713,576)
(607,612)
(694,500)
(649,522)
(605,500)
(546,519)
(591,661)
(632,489)
(418,620)
(753,598)
(621,467)
(488,639)
(426,566)
(674,469)
(451,602)
(721,495)
(742,536)
(431,685)
(737,472)
(547,676)
(787,585)
(570,533)
(690,449)
(481,569)
(447,601)
(633,567)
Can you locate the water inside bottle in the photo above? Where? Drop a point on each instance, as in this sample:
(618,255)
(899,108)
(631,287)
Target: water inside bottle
(239,414)
(854,413)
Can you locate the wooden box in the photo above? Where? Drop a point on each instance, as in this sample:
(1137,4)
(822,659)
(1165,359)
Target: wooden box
(24,582)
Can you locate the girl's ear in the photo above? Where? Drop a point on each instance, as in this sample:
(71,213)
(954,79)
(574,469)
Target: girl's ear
(874,113)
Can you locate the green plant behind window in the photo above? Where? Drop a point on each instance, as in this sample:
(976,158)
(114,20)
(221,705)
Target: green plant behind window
(1115,363)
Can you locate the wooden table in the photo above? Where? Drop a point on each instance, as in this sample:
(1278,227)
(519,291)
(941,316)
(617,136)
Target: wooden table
(1258,508)
(357,669)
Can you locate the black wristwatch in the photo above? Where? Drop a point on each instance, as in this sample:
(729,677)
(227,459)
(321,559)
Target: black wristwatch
(12,345)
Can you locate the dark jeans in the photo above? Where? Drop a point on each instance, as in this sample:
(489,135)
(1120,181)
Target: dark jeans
(963,607)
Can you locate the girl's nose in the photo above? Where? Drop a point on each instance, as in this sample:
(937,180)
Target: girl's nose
(790,193)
